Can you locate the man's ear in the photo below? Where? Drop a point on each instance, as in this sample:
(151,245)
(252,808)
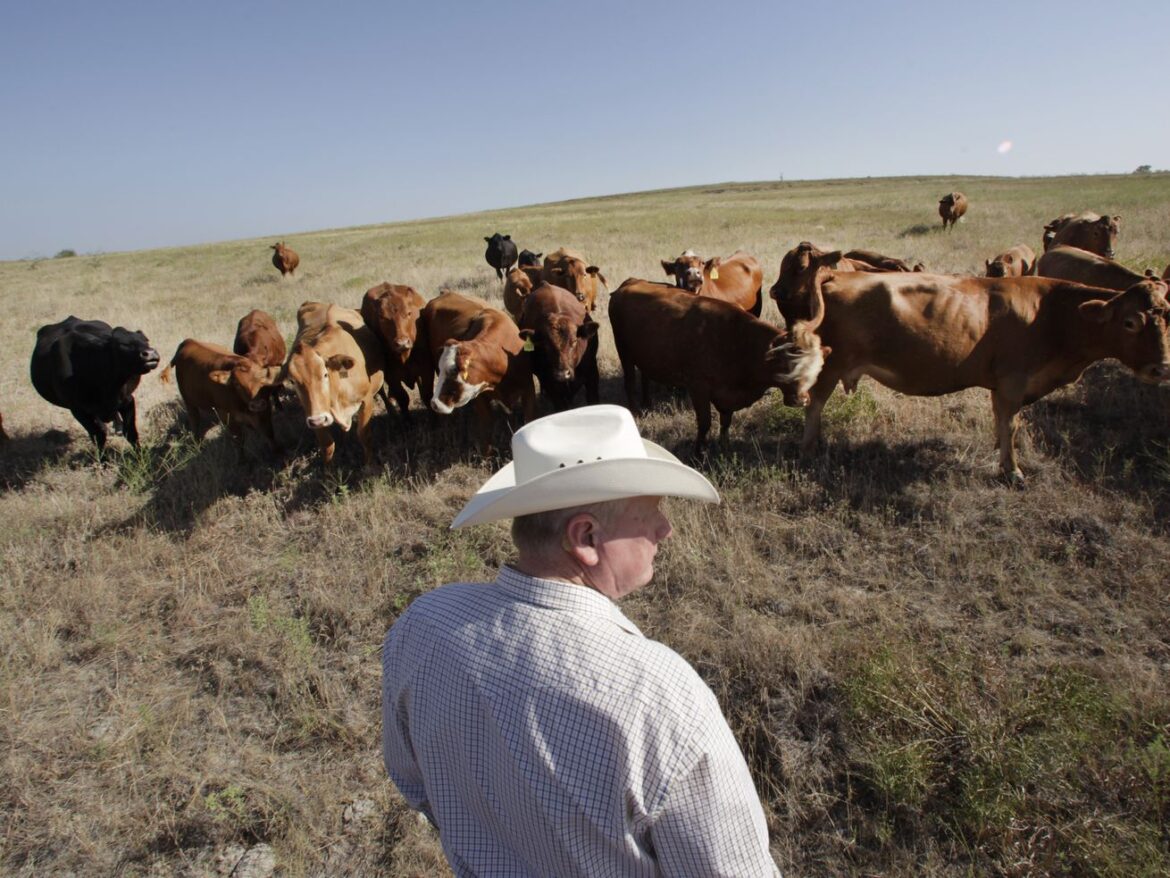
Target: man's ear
(580,539)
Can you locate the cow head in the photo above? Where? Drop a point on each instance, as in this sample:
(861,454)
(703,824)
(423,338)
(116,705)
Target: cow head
(1001,266)
(130,352)
(314,376)
(528,259)
(460,378)
(1103,235)
(573,275)
(496,242)
(1135,323)
(801,271)
(251,382)
(393,316)
(687,271)
(559,344)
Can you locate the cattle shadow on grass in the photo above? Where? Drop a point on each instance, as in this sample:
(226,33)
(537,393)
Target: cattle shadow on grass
(23,458)
(917,230)
(1112,430)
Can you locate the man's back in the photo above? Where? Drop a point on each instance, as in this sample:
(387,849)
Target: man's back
(545,736)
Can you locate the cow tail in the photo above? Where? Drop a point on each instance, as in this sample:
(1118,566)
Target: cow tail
(165,376)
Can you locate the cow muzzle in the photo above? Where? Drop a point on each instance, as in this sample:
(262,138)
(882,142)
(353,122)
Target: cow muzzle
(563,375)
(150,359)
(403,345)
(258,405)
(317,422)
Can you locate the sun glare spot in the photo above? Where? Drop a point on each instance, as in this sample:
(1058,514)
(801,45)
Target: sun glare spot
(1004,148)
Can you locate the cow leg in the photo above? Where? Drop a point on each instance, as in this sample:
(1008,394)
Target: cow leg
(645,390)
(1007,419)
(401,397)
(364,415)
(701,400)
(629,382)
(264,425)
(94,427)
(128,413)
(725,416)
(483,424)
(592,381)
(194,421)
(818,396)
(326,444)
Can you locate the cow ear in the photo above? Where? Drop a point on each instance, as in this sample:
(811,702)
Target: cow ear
(527,334)
(272,374)
(987,265)
(668,267)
(587,330)
(220,376)
(1095,310)
(713,262)
(507,237)
(593,269)
(340,363)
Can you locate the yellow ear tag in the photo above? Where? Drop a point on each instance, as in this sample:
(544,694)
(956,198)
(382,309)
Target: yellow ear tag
(528,345)
(714,274)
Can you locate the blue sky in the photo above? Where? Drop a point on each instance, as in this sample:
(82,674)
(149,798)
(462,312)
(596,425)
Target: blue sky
(136,125)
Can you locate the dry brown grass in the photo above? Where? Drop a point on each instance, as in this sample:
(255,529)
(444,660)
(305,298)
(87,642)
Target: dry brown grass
(930,674)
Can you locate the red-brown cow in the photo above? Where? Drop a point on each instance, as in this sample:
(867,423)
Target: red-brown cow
(477,353)
(951,208)
(1097,234)
(213,379)
(517,285)
(570,270)
(866,260)
(336,367)
(1082,267)
(258,338)
(796,266)
(1021,338)
(564,345)
(392,311)
(738,279)
(285,259)
(1016,262)
(721,354)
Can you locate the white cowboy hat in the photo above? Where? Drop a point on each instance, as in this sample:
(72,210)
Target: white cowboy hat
(584,455)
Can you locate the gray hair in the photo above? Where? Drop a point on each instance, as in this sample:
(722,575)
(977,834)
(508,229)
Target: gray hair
(538,532)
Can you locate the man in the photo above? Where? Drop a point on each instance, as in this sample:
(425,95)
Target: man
(530,720)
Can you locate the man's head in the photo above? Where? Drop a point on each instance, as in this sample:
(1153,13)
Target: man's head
(609,545)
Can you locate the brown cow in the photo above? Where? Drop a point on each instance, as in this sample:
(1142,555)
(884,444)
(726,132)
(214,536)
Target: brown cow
(564,345)
(1097,234)
(1016,262)
(867,260)
(285,259)
(1082,267)
(517,285)
(1020,337)
(569,269)
(336,367)
(721,354)
(213,379)
(738,279)
(391,311)
(801,261)
(258,338)
(477,353)
(951,208)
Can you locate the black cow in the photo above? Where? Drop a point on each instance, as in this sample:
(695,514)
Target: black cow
(92,369)
(500,253)
(528,259)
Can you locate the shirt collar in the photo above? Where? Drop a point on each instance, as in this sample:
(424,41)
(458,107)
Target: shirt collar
(555,594)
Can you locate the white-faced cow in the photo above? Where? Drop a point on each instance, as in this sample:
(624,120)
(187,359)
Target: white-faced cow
(563,338)
(285,259)
(737,279)
(476,354)
(92,369)
(336,367)
(721,354)
(500,253)
(1019,337)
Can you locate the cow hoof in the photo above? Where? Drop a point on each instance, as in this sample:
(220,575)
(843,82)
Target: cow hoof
(1015,479)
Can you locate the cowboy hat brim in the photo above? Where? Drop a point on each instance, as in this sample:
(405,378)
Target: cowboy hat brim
(660,473)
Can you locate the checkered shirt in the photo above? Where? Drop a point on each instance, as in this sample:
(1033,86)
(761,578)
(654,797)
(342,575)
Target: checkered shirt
(544,735)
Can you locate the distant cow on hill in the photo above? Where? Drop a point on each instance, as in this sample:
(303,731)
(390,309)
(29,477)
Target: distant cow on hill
(1097,234)
(738,279)
(500,253)
(951,208)
(92,369)
(1016,262)
(285,259)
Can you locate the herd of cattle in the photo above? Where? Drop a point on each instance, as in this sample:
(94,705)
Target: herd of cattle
(1030,326)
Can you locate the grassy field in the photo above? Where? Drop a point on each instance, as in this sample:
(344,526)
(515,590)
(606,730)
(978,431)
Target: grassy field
(930,674)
